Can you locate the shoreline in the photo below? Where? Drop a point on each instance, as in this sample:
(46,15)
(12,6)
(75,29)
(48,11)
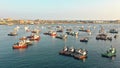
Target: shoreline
(56,23)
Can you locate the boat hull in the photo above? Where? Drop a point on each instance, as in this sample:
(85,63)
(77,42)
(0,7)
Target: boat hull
(12,34)
(108,56)
(80,57)
(19,47)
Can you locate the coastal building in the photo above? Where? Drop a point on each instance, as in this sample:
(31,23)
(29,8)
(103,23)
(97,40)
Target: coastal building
(21,21)
(117,21)
(8,19)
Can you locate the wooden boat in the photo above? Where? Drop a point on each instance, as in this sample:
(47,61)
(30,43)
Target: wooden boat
(26,28)
(101,37)
(28,42)
(80,54)
(110,53)
(109,38)
(23,38)
(61,36)
(116,36)
(88,30)
(101,30)
(69,29)
(72,33)
(53,34)
(84,39)
(75,53)
(35,31)
(80,57)
(20,45)
(59,30)
(34,37)
(12,34)
(67,51)
(84,30)
(113,31)
(48,33)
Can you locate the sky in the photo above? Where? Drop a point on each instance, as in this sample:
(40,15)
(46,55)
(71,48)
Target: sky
(60,9)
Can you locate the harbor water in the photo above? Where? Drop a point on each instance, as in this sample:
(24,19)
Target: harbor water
(45,52)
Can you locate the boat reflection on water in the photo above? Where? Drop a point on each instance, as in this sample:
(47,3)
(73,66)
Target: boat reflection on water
(84,59)
(113,58)
(21,50)
(53,36)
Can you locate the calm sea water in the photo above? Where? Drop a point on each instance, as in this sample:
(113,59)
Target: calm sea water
(44,53)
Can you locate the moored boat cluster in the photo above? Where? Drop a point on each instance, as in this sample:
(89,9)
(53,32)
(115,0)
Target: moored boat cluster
(75,53)
(61,33)
(24,42)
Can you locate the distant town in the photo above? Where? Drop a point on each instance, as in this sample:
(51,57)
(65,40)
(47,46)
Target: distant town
(10,21)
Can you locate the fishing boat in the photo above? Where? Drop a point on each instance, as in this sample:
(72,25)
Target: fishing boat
(27,29)
(34,37)
(67,51)
(102,30)
(20,45)
(23,38)
(85,39)
(12,34)
(69,29)
(116,36)
(113,31)
(103,36)
(28,42)
(48,33)
(72,33)
(61,36)
(59,30)
(110,53)
(80,54)
(53,34)
(35,31)
(75,53)
(88,30)
(109,38)
(84,30)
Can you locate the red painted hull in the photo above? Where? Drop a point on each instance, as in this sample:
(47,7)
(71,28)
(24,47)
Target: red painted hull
(80,57)
(19,47)
(53,35)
